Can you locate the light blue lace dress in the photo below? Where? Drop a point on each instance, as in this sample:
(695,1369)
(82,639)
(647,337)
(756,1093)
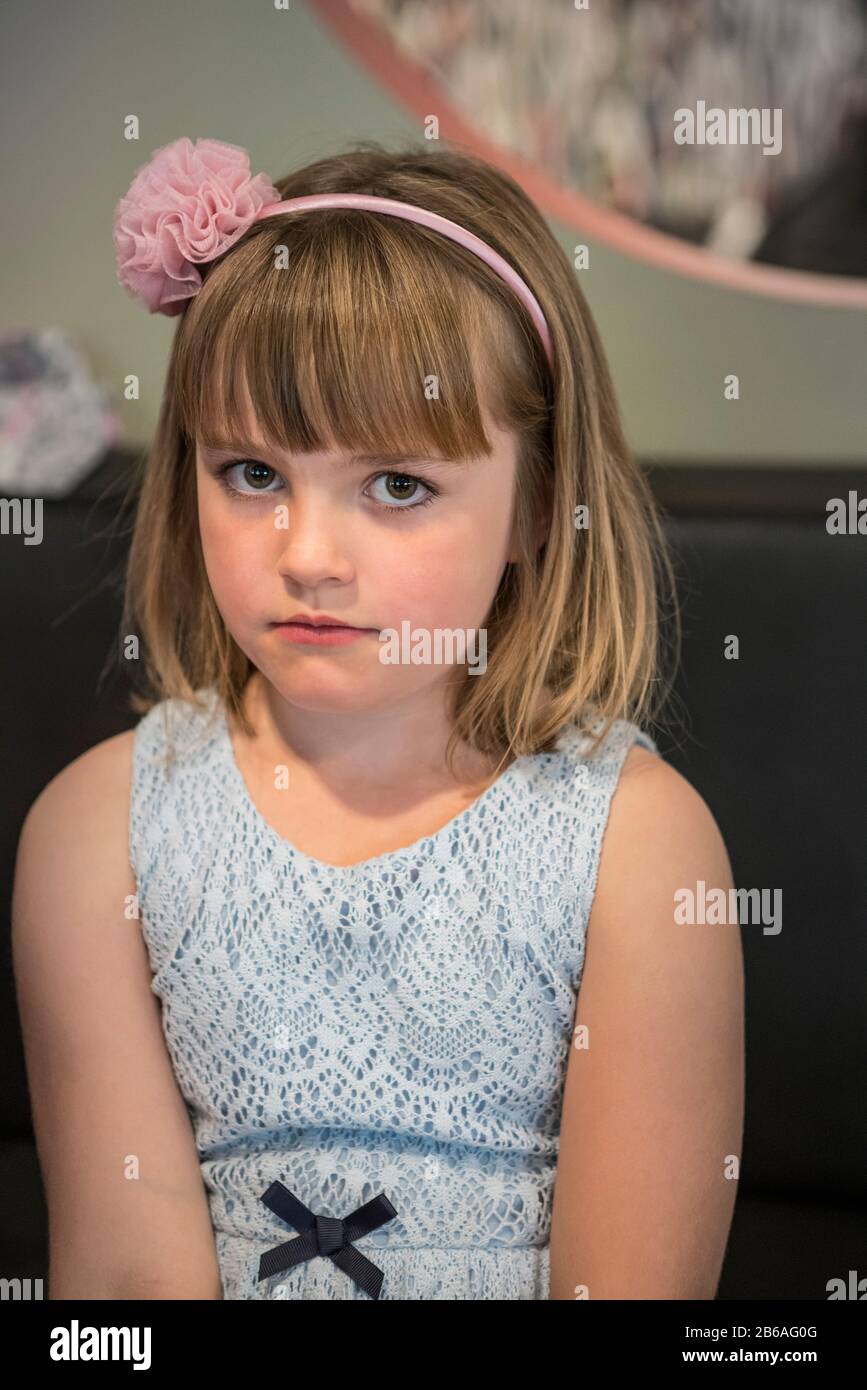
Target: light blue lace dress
(401,1025)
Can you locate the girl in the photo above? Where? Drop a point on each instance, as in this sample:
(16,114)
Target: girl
(313,1030)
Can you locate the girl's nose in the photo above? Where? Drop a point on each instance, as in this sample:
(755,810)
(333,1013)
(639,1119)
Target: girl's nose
(312,543)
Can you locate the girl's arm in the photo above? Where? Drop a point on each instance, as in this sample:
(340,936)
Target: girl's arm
(127,1210)
(653,1108)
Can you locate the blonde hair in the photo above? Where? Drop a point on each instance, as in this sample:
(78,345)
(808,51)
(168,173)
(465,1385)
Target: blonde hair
(336,346)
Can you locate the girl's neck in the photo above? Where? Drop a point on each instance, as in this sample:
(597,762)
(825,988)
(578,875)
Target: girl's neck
(351,752)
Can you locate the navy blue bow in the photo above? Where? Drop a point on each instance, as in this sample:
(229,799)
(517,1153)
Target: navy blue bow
(325,1235)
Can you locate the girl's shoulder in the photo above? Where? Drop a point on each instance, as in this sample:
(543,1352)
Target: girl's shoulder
(653,803)
(109,767)
(102,782)
(639,756)
(101,776)
(72,842)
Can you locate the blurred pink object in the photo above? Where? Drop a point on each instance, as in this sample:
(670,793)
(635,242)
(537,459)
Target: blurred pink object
(56,422)
(188,204)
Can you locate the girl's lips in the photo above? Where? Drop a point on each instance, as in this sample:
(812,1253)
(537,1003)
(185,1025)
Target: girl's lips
(331,636)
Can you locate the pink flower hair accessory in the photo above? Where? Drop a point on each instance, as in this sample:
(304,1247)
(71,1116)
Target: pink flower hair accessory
(187,205)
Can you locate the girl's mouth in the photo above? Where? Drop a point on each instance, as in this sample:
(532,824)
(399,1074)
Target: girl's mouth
(307,634)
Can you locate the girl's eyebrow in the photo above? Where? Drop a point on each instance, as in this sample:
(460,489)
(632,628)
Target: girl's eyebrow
(218,445)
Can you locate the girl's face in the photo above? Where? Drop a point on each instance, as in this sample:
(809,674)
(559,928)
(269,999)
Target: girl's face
(372,542)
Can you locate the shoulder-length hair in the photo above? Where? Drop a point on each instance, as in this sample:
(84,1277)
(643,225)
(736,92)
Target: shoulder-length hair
(333,321)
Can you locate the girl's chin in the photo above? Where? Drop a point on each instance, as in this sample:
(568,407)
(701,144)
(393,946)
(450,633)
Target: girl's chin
(319,684)
(327,688)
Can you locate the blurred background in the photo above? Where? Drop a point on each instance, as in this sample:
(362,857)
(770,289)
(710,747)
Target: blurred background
(703,260)
(590,103)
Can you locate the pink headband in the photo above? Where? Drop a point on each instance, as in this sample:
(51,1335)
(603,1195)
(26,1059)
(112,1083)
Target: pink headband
(190,203)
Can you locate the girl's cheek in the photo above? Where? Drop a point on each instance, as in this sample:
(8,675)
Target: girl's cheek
(215,534)
(233,567)
(443,572)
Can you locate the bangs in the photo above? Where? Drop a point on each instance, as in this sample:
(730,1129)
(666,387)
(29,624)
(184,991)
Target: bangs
(346,330)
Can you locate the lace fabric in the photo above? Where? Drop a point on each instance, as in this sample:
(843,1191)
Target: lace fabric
(400,1025)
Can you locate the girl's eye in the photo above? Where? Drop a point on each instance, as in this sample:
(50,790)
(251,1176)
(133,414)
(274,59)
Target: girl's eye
(405,484)
(401,480)
(250,466)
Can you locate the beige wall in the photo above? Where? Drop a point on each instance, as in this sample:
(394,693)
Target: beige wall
(276,83)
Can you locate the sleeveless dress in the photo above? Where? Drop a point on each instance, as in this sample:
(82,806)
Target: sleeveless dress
(398,1026)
